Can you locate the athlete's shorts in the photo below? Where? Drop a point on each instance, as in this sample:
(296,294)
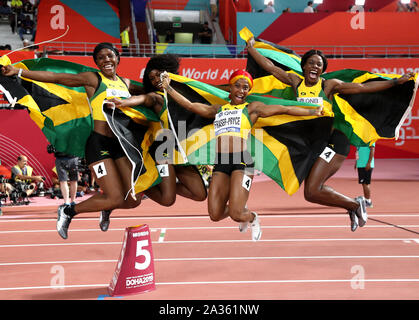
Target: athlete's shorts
(67,168)
(100,147)
(364,176)
(229,162)
(339,143)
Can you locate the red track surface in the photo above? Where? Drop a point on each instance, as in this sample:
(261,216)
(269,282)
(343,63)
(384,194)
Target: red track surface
(307,251)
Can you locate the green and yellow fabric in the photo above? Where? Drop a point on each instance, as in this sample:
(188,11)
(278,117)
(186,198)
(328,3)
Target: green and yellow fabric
(64,116)
(284,147)
(363,118)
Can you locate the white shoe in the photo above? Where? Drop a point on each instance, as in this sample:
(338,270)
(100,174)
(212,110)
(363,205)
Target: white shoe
(361,212)
(255,226)
(243,226)
(368,203)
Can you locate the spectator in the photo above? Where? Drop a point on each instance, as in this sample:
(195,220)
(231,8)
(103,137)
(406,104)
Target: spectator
(67,172)
(5,174)
(125,40)
(27,7)
(170,36)
(21,172)
(16,5)
(401,7)
(205,34)
(27,27)
(414,7)
(269,8)
(357,8)
(214,9)
(4,8)
(286,10)
(365,164)
(309,8)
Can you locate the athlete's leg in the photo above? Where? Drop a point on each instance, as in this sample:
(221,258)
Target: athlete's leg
(110,183)
(239,194)
(191,184)
(165,192)
(316,191)
(218,195)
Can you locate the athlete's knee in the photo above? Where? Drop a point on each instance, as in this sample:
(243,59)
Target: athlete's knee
(115,201)
(168,200)
(215,214)
(236,213)
(312,193)
(201,195)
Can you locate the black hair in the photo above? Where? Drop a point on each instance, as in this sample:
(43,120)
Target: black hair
(163,62)
(105,45)
(313,52)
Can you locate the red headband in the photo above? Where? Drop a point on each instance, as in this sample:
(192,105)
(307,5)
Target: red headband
(241,74)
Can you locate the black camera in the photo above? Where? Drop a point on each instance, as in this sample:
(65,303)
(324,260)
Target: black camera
(19,195)
(4,180)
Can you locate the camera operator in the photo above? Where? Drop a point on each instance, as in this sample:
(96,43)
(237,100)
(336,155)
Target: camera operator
(22,175)
(67,171)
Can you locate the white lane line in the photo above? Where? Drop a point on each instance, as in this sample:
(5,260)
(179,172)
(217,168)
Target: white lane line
(200,216)
(212,259)
(75,230)
(202,241)
(212,228)
(299,281)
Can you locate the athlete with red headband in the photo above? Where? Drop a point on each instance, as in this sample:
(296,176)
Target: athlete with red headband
(233,170)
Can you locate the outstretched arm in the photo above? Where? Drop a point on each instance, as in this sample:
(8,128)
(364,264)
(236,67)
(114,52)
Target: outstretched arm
(201,109)
(337,86)
(67,79)
(268,66)
(262,110)
(147,100)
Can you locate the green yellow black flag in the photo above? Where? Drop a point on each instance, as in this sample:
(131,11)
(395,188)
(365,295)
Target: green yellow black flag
(64,116)
(285,58)
(62,113)
(136,129)
(367,117)
(363,118)
(284,147)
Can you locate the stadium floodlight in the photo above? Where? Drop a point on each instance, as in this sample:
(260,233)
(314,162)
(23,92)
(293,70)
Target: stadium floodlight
(318,1)
(359,2)
(405,1)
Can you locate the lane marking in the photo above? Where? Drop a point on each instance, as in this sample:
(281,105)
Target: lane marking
(216,283)
(162,234)
(209,228)
(75,230)
(212,259)
(201,241)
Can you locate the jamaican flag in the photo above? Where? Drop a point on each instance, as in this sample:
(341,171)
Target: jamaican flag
(366,117)
(282,57)
(62,113)
(190,138)
(363,118)
(136,129)
(284,147)
(64,116)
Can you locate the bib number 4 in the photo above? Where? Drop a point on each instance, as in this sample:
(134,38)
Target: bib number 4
(327,154)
